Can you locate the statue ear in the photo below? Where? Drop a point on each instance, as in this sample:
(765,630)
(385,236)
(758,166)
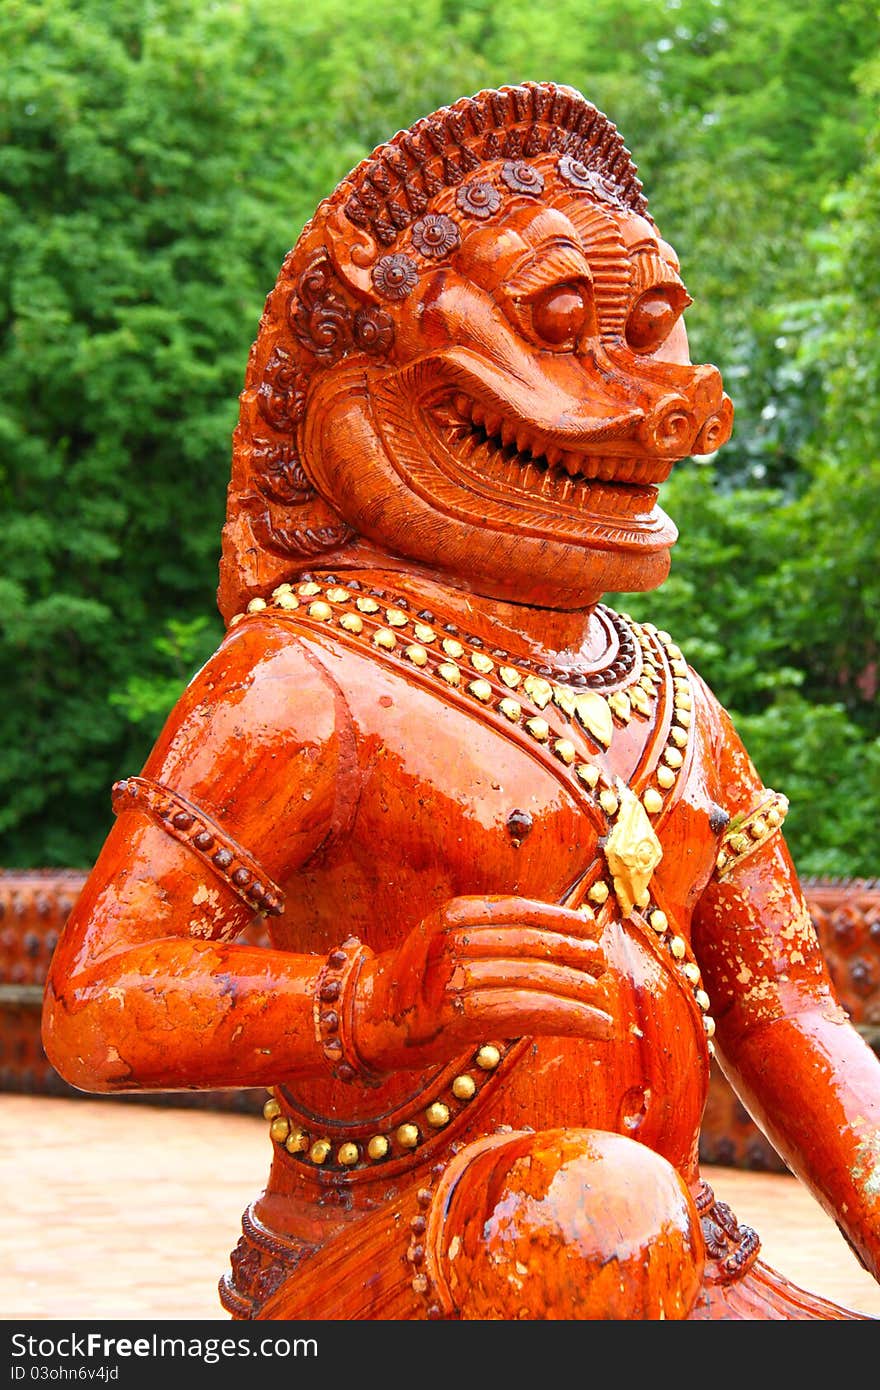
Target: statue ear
(353,253)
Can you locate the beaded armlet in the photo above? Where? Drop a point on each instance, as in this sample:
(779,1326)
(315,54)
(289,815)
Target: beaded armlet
(750,830)
(193,828)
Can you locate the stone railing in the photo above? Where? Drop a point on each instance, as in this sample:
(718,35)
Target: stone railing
(34,905)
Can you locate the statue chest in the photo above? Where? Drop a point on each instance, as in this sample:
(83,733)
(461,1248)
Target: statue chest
(471,786)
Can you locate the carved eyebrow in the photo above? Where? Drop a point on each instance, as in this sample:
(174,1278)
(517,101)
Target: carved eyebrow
(650,268)
(547,264)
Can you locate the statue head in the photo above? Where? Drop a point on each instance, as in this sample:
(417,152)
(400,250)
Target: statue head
(474,363)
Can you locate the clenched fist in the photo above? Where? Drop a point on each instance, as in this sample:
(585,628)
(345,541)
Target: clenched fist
(480,967)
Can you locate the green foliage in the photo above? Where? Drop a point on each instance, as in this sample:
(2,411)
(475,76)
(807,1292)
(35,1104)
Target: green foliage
(157,159)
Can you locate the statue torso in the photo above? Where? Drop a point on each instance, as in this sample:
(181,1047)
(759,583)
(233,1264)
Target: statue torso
(451,793)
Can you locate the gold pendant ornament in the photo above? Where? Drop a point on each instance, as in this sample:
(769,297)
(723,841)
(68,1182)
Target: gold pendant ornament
(632,851)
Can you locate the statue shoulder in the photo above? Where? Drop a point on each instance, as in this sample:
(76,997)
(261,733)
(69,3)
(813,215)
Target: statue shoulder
(262,694)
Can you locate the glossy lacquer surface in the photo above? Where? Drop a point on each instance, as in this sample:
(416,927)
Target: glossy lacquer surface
(520,875)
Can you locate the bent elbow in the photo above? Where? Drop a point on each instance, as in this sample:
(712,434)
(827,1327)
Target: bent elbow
(79,1048)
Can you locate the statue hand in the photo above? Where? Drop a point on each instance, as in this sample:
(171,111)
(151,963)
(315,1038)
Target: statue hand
(479,968)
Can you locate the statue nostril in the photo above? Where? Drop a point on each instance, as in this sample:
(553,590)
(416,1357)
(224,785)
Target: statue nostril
(674,430)
(716,430)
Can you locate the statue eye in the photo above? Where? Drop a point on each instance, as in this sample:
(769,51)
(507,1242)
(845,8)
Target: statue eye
(654,315)
(560,313)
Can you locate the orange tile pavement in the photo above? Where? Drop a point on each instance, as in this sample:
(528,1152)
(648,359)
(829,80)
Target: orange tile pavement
(115,1210)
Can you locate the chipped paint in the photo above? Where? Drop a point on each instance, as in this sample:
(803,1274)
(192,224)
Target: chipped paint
(866,1166)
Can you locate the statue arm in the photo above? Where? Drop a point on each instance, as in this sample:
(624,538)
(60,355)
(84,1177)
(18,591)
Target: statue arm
(783,1040)
(148,987)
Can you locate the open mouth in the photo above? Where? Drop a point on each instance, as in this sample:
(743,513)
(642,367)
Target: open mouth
(514,456)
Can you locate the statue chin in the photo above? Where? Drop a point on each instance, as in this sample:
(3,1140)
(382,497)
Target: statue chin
(407,497)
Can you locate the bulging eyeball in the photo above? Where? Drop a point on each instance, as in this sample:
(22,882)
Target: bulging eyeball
(653,317)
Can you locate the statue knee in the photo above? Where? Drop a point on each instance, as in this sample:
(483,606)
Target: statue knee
(563,1224)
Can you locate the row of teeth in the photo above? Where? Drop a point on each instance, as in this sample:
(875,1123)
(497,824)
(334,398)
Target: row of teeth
(536,479)
(526,452)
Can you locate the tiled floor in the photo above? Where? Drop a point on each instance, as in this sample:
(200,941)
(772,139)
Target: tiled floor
(122,1211)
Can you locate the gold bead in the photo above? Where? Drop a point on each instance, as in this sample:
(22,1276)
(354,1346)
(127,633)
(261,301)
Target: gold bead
(482,663)
(710,1048)
(408,1136)
(683,718)
(593,712)
(347,1154)
(664,637)
(481,690)
(378,1146)
(338,595)
(683,700)
(673,758)
(565,749)
(647,684)
(234,622)
(659,921)
(367,605)
(320,610)
(619,704)
(739,842)
(652,801)
(510,676)
(416,654)
(639,700)
(320,1151)
(383,637)
(722,861)
(424,633)
(287,601)
(271,1109)
(464,1087)
(452,648)
(296,1142)
(539,691)
(256,605)
(674,651)
(608,801)
(679,668)
(691,972)
(308,590)
(396,617)
(678,947)
(666,777)
(588,773)
(709,1025)
(565,699)
(703,1000)
(351,622)
(437,1115)
(758,829)
(678,736)
(488,1057)
(511,709)
(650,627)
(599,892)
(449,672)
(282,589)
(774,817)
(539,729)
(279,1129)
